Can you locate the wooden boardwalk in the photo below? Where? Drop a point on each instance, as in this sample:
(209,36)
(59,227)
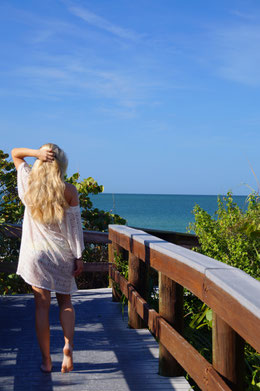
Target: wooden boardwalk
(108,356)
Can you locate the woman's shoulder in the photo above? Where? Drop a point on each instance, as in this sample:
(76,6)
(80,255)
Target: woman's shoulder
(71,194)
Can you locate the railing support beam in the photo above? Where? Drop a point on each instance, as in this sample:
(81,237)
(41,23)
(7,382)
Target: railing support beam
(171,309)
(113,249)
(138,277)
(228,353)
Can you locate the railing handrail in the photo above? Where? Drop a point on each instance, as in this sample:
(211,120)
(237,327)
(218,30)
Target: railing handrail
(183,239)
(15,231)
(95,237)
(233,295)
(214,282)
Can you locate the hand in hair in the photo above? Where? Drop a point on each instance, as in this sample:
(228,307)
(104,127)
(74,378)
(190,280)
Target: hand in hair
(46,155)
(78,267)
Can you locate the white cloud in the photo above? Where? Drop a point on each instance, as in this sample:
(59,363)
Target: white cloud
(237,53)
(73,78)
(103,24)
(243,15)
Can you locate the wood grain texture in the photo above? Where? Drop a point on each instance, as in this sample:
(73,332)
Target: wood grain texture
(181,239)
(197,366)
(11,267)
(138,277)
(231,293)
(228,354)
(170,309)
(114,251)
(14,231)
(108,355)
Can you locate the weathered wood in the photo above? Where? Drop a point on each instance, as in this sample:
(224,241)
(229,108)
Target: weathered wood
(200,370)
(137,276)
(228,353)
(109,355)
(110,260)
(235,297)
(101,267)
(14,231)
(164,257)
(179,238)
(231,293)
(114,250)
(10,267)
(170,309)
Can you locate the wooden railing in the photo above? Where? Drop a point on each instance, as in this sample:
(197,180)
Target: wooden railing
(233,296)
(93,237)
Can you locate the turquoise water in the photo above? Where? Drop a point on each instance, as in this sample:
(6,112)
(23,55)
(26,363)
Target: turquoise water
(158,211)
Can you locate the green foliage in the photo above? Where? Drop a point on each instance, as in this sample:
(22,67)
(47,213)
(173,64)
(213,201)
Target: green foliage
(121,264)
(202,318)
(232,235)
(122,267)
(252,361)
(12,209)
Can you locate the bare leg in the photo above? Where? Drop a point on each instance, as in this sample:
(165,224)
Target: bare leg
(67,319)
(42,304)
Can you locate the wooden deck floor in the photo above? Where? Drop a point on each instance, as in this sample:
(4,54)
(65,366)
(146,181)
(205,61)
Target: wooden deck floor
(108,356)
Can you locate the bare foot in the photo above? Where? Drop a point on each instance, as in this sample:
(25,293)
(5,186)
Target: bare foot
(46,365)
(67,363)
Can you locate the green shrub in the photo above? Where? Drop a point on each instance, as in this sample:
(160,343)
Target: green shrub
(232,235)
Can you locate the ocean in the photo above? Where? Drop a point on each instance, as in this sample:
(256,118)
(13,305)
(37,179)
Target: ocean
(158,211)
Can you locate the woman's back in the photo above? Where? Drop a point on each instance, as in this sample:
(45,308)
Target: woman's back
(48,249)
(52,242)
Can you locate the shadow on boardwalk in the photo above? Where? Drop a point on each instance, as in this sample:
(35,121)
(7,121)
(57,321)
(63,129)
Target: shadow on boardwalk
(107,356)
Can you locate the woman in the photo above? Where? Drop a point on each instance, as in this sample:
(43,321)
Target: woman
(52,242)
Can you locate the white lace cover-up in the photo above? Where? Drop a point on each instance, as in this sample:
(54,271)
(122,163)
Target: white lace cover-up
(47,252)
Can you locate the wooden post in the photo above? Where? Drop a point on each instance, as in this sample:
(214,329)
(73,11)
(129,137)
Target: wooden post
(112,248)
(228,353)
(171,309)
(138,277)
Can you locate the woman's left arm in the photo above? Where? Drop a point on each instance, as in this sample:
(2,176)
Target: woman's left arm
(18,155)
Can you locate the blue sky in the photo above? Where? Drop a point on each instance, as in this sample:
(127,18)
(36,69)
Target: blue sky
(145,96)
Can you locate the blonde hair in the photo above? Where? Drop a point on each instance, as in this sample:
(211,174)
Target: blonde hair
(45,192)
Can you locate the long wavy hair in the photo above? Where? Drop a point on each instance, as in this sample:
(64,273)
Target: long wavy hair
(45,193)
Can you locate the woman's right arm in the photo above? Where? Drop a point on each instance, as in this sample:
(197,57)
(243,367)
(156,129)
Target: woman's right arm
(18,155)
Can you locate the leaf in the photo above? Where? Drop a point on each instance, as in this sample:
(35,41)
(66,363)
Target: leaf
(209,315)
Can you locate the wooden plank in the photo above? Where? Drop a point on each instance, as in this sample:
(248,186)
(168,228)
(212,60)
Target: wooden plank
(8,267)
(181,239)
(96,267)
(15,231)
(11,230)
(231,293)
(138,277)
(166,263)
(197,366)
(170,309)
(235,297)
(95,237)
(228,354)
(11,267)
(108,356)
(114,251)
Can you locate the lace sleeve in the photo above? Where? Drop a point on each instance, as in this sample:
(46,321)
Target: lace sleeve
(22,179)
(74,231)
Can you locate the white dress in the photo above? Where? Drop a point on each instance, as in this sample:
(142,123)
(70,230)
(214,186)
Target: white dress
(47,252)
